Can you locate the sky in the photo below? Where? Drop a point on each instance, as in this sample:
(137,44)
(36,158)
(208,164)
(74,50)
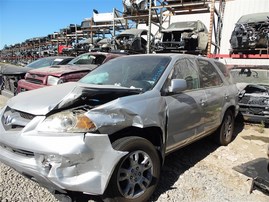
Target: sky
(25,19)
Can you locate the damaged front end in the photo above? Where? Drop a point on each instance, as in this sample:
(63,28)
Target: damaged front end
(250,32)
(132,41)
(60,149)
(56,151)
(254,103)
(63,142)
(189,36)
(253,87)
(176,41)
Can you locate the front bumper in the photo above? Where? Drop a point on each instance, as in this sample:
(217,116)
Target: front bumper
(24,85)
(74,162)
(255,112)
(256,118)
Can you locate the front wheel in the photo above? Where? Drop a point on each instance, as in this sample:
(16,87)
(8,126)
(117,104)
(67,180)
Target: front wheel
(136,175)
(224,134)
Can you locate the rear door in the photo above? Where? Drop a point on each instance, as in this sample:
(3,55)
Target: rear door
(215,93)
(185,109)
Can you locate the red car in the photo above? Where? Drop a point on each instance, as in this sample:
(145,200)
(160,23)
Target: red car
(56,74)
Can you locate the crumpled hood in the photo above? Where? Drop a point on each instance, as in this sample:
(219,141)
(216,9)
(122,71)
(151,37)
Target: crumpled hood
(59,70)
(44,100)
(8,69)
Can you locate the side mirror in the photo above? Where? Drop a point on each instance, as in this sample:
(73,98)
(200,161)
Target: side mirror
(177,85)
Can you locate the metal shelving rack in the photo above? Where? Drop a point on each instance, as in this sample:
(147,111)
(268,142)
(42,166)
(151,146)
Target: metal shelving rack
(158,11)
(162,10)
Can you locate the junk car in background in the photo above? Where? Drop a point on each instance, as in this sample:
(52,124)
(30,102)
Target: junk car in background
(11,74)
(103,45)
(85,45)
(253,85)
(133,41)
(109,133)
(250,32)
(57,74)
(134,6)
(189,36)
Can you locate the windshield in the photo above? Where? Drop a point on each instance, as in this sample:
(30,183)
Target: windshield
(132,72)
(248,75)
(44,62)
(87,59)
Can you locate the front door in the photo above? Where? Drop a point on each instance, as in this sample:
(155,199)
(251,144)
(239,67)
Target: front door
(185,110)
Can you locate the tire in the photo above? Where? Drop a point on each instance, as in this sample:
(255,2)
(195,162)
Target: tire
(224,134)
(136,175)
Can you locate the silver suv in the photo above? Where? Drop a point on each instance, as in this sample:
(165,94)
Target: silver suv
(109,133)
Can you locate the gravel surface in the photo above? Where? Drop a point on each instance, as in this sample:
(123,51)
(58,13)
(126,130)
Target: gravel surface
(200,172)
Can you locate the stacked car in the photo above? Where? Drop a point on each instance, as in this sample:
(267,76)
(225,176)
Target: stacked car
(250,32)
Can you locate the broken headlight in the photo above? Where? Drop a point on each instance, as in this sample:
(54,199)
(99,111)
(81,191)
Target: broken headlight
(69,122)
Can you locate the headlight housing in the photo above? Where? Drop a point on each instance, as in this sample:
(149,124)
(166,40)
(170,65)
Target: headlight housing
(52,80)
(67,121)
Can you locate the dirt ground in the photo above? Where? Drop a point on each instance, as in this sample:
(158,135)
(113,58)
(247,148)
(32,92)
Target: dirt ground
(200,172)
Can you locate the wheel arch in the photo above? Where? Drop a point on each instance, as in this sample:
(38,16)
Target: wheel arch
(153,134)
(230,108)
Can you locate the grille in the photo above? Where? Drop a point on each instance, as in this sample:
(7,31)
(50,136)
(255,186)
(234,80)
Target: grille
(253,100)
(35,81)
(15,120)
(244,100)
(35,78)
(26,116)
(258,101)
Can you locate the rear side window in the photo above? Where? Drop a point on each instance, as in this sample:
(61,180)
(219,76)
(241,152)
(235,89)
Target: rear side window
(209,75)
(225,71)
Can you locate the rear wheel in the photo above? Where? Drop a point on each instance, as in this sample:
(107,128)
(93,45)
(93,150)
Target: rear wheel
(136,175)
(224,134)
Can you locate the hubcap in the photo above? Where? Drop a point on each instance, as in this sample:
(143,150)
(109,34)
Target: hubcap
(135,174)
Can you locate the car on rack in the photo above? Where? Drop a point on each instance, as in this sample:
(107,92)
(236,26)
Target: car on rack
(11,74)
(108,134)
(57,74)
(253,98)
(188,37)
(132,41)
(251,32)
